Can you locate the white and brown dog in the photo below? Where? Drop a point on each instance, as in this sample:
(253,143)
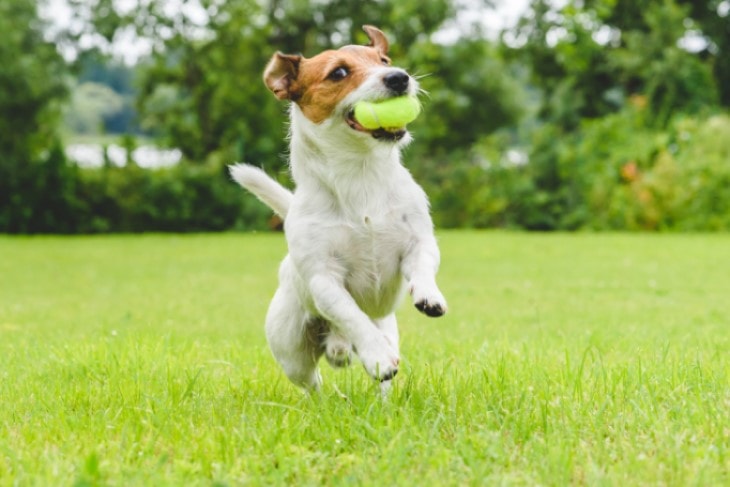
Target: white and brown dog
(357,226)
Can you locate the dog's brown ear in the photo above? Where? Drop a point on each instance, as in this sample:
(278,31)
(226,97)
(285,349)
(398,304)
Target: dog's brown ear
(281,73)
(377,38)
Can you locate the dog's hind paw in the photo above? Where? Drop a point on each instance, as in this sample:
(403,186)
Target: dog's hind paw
(339,357)
(339,361)
(338,351)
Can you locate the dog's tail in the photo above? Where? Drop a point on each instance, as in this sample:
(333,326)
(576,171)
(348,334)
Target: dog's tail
(263,187)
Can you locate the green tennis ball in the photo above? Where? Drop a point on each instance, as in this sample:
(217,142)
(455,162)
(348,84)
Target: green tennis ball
(393,113)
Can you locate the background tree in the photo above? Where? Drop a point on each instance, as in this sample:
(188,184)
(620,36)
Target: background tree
(34,177)
(91,104)
(118,116)
(708,20)
(596,114)
(603,66)
(202,89)
(589,57)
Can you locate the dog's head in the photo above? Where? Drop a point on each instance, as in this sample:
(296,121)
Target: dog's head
(326,87)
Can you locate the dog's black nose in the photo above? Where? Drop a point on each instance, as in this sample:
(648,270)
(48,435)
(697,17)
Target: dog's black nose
(397,81)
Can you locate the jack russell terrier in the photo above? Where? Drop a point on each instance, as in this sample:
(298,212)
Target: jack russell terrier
(358,226)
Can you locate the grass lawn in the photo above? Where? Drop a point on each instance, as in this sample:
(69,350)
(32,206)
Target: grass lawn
(565,359)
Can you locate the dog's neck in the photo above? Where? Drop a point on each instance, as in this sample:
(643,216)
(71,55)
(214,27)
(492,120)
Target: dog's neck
(328,156)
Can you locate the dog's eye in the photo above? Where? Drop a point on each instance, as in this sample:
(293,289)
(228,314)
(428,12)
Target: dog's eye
(385,61)
(338,74)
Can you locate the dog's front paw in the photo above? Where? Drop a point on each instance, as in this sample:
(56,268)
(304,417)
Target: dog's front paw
(379,359)
(428,300)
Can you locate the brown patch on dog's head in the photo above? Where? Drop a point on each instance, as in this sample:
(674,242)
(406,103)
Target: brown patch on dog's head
(318,84)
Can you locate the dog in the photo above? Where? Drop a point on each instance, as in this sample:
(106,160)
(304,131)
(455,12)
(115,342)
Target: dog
(358,227)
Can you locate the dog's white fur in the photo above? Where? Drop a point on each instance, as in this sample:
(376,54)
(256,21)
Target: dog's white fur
(359,235)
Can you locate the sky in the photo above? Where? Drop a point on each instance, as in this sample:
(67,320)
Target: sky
(130,47)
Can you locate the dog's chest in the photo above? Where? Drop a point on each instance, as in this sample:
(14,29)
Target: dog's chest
(377,237)
(374,246)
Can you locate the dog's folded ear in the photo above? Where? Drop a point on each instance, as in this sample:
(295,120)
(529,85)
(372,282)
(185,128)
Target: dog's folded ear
(377,38)
(281,73)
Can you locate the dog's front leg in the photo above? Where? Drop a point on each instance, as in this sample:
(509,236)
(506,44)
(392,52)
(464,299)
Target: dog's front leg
(336,305)
(419,267)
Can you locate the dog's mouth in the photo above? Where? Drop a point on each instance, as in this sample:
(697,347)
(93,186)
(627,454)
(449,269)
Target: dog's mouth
(392,135)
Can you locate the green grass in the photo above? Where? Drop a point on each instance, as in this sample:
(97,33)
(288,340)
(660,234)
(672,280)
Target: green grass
(565,359)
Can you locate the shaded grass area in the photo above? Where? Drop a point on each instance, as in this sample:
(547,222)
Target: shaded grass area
(565,359)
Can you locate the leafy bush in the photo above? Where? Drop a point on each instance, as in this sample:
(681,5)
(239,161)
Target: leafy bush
(625,176)
(687,185)
(58,197)
(616,173)
(37,195)
(182,198)
(33,176)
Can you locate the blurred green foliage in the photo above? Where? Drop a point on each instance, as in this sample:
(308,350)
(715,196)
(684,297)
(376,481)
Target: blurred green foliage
(103,97)
(91,103)
(34,178)
(183,198)
(598,114)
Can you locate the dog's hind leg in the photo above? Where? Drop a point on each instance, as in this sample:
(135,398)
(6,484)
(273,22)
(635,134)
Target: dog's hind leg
(294,339)
(337,349)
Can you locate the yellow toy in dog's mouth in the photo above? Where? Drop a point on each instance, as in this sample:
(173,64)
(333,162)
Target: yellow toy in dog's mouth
(386,118)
